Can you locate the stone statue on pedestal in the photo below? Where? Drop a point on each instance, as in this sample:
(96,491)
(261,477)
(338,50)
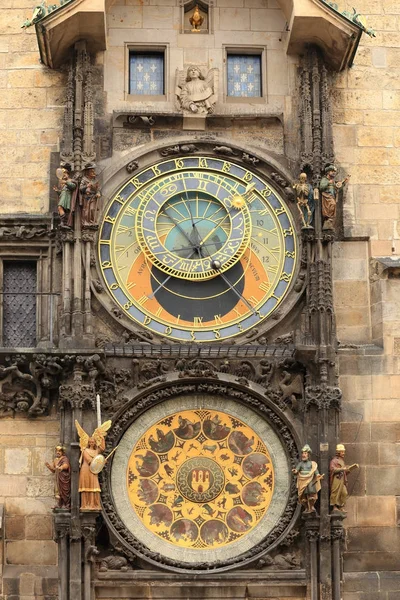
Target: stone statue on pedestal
(308,480)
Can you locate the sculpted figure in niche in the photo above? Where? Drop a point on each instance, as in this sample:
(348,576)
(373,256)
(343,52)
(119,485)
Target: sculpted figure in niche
(89,190)
(308,480)
(305,200)
(61,468)
(338,479)
(196,93)
(329,189)
(65,189)
(91,465)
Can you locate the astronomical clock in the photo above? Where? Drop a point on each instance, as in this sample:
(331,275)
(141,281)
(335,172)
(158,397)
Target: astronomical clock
(198,251)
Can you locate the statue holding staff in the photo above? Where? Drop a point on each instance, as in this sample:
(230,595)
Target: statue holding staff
(61,468)
(308,480)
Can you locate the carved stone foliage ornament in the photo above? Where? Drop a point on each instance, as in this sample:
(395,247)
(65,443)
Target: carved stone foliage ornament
(196,90)
(208,468)
(26,384)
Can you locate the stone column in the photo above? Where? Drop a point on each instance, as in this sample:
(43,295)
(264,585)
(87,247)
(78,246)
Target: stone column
(67,238)
(337,535)
(312,523)
(62,526)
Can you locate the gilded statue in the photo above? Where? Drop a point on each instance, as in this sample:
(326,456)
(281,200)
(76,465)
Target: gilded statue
(338,471)
(61,468)
(329,189)
(196,20)
(196,93)
(91,462)
(304,200)
(308,480)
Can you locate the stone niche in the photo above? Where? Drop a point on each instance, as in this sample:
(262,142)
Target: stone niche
(202,11)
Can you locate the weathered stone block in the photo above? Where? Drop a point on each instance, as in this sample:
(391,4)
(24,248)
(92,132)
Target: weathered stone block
(39,527)
(353,432)
(28,506)
(40,486)
(383,479)
(362,453)
(11,485)
(373,539)
(354,582)
(29,552)
(15,528)
(27,584)
(390,432)
(234,19)
(154,18)
(371,561)
(266,20)
(350,293)
(17,461)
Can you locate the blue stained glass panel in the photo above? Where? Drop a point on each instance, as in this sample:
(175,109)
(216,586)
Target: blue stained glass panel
(146,73)
(244,75)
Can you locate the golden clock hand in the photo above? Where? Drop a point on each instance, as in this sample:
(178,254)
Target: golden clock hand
(216,265)
(162,284)
(214,229)
(177,224)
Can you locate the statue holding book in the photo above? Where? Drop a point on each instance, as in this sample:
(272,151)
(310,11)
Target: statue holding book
(338,471)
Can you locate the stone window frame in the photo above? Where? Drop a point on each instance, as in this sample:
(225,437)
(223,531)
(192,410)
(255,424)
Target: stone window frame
(35,254)
(146,47)
(246,49)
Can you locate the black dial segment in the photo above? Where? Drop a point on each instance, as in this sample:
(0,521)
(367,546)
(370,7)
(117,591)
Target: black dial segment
(203,298)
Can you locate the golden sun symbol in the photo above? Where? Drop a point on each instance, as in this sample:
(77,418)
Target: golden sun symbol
(238,202)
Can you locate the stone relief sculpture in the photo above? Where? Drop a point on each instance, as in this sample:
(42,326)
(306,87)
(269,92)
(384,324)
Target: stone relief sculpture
(304,200)
(308,480)
(196,92)
(329,189)
(338,471)
(90,465)
(61,468)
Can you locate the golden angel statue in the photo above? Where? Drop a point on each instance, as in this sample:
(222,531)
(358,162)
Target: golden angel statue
(195,92)
(91,463)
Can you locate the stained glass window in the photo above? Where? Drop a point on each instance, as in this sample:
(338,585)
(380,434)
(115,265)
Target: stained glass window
(146,73)
(19,304)
(244,75)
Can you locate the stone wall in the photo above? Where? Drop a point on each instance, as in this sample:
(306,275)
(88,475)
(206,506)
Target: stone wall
(30,114)
(27,488)
(367,143)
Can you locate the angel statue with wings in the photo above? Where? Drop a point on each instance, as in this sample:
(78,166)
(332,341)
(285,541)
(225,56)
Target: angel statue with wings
(196,93)
(90,465)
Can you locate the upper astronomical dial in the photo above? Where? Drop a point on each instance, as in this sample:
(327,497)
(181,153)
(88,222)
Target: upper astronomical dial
(191,228)
(197,249)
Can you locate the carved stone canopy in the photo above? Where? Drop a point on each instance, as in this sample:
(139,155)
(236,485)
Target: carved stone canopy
(58,31)
(308,22)
(314,22)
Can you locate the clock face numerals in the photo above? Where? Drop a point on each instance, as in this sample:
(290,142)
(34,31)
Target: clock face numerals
(187,223)
(197,249)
